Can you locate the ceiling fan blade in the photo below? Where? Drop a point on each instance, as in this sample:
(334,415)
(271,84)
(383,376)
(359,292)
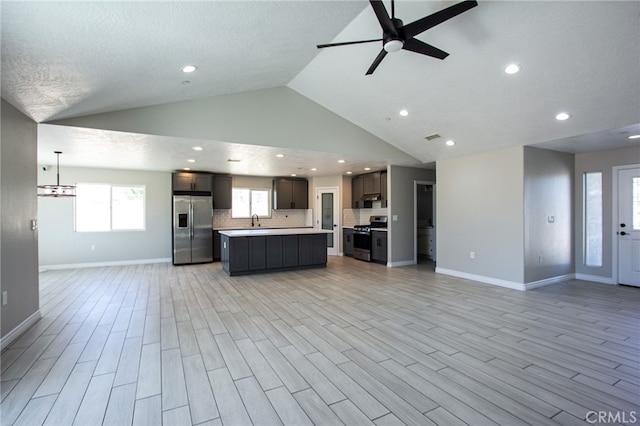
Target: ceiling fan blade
(383,17)
(346,43)
(377,61)
(418,46)
(421,25)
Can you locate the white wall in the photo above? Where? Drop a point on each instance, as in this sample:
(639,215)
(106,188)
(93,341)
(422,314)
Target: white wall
(61,245)
(18,206)
(480,208)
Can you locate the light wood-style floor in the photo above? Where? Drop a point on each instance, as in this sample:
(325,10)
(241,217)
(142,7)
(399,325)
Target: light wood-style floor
(355,343)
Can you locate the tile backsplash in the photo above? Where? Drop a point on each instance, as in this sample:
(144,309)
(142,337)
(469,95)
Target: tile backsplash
(279,218)
(351,217)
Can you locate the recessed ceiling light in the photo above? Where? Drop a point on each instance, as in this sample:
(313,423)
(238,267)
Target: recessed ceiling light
(340,161)
(367,168)
(349,173)
(512,69)
(562,116)
(189,68)
(403,112)
(197,148)
(191,160)
(634,137)
(450,143)
(313,169)
(186,168)
(280,155)
(293,175)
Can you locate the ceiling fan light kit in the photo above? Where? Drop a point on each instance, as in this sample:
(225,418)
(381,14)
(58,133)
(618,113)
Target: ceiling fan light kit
(397,36)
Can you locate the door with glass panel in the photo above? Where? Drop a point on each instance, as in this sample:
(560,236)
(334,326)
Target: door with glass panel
(628,226)
(328,217)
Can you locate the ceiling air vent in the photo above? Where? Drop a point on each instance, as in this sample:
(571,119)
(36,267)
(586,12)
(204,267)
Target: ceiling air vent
(432,137)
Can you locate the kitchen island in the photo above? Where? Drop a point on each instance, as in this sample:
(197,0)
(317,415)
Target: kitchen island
(254,251)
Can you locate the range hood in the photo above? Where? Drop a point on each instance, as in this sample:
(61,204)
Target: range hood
(372,197)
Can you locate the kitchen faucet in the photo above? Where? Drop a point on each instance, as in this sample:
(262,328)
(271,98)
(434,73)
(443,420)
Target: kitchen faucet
(257,219)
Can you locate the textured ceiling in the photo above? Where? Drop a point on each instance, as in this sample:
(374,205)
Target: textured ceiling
(66,59)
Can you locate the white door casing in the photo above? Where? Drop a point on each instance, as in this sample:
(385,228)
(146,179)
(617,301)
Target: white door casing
(327,214)
(628,226)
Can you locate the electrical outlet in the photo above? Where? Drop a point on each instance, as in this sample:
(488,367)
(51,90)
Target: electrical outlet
(5,298)
(540,259)
(472,255)
(394,217)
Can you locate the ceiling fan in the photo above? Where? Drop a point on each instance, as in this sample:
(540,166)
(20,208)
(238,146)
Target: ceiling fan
(396,35)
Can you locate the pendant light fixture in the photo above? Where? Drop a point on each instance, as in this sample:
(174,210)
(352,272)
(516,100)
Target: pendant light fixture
(57,190)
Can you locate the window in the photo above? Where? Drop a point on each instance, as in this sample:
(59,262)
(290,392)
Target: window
(247,202)
(592,213)
(105,207)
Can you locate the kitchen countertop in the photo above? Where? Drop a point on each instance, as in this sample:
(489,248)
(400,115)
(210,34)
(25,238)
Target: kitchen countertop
(244,228)
(254,232)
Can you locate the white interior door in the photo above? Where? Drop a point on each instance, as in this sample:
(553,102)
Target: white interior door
(628,231)
(328,217)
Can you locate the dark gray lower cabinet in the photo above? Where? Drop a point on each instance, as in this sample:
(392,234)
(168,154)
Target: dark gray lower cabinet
(289,251)
(274,252)
(312,249)
(379,246)
(235,254)
(257,253)
(217,251)
(347,241)
(247,255)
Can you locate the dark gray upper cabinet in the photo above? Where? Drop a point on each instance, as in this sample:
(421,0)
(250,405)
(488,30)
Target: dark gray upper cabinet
(371,183)
(290,193)
(357,191)
(221,192)
(191,182)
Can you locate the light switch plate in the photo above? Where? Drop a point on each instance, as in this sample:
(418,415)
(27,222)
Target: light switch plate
(394,217)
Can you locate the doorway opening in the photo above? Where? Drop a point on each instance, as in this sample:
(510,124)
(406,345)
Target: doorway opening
(425,223)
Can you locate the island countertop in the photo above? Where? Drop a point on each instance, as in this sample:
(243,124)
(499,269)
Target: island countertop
(258,232)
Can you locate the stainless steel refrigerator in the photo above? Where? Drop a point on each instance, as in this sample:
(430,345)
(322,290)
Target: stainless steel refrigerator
(192,229)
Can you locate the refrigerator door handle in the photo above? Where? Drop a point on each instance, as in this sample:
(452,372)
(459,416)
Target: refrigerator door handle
(191,221)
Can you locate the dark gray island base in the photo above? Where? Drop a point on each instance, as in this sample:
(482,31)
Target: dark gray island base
(257,251)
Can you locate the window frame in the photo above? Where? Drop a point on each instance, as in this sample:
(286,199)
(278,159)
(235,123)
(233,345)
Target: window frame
(251,190)
(110,207)
(586,230)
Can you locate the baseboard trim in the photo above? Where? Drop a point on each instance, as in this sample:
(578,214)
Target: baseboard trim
(481,278)
(401,263)
(43,268)
(11,336)
(596,278)
(548,281)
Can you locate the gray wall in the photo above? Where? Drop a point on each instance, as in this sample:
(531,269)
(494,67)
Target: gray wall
(278,117)
(602,161)
(479,208)
(401,203)
(548,191)
(61,245)
(19,248)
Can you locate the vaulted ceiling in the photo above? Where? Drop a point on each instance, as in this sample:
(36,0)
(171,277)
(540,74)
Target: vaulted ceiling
(62,60)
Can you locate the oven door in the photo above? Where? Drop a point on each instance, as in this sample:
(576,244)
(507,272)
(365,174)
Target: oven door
(362,245)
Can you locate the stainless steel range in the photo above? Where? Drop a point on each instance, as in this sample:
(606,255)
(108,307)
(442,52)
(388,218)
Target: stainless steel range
(362,237)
